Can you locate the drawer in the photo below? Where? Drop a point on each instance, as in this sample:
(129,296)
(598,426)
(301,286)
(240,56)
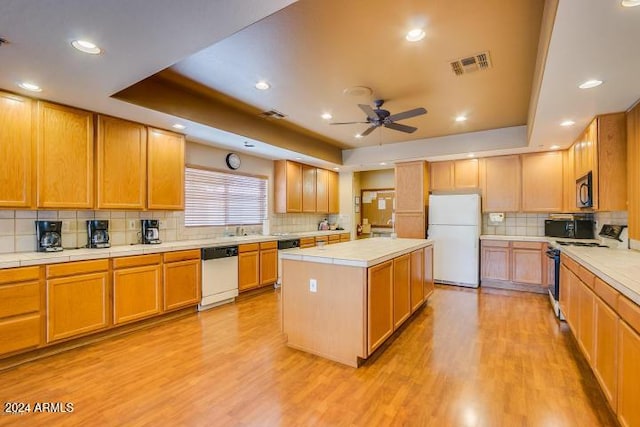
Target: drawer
(345,237)
(607,293)
(268,245)
(248,247)
(307,242)
(334,238)
(80,267)
(322,239)
(528,245)
(570,263)
(586,276)
(19,299)
(19,333)
(181,255)
(496,243)
(629,312)
(135,261)
(20,274)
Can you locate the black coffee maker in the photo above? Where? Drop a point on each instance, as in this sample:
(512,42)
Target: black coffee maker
(98,233)
(49,236)
(150,231)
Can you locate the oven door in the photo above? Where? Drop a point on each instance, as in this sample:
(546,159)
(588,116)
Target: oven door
(584,192)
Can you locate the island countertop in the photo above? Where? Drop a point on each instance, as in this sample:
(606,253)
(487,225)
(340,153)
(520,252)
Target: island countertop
(357,253)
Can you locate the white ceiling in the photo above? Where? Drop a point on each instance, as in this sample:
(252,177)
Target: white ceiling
(591,39)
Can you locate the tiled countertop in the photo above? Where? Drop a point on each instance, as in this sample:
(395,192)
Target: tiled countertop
(357,253)
(517,238)
(37,258)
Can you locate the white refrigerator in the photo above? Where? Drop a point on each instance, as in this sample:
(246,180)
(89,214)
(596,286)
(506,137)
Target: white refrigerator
(454,226)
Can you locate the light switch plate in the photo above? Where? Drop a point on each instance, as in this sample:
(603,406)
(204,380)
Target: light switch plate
(313,285)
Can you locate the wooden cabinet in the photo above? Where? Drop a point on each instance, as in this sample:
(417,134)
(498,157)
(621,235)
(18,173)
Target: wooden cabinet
(586,320)
(379,304)
(307,242)
(500,183)
(322,190)
(121,164)
(628,376)
(333,239)
(401,289)
(527,262)
(411,225)
(565,290)
(333,187)
(287,186)
(181,279)
(345,237)
(257,265)
(633,171)
(64,157)
(541,176)
(416,277)
(309,177)
(429,284)
(513,265)
(20,309)
(454,175)
(137,282)
(495,259)
(17,151)
(606,349)
(583,150)
(77,298)
(322,240)
(165,170)
(412,187)
(268,263)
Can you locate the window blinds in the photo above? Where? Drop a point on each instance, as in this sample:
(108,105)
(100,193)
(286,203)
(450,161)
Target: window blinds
(218,198)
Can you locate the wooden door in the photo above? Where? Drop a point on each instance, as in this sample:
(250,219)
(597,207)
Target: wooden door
(417,279)
(465,173)
(308,188)
(610,160)
(586,321)
(294,187)
(379,304)
(633,171)
(568,182)
(429,284)
(136,293)
(322,190)
(64,157)
(121,163)
(182,286)
(20,307)
(248,270)
(333,187)
(401,290)
(76,305)
(410,225)
(165,170)
(527,262)
(606,350)
(628,376)
(501,184)
(412,186)
(541,178)
(17,151)
(565,290)
(495,256)
(441,176)
(268,266)
(572,313)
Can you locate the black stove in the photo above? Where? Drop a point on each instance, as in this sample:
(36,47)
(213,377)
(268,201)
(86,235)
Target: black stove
(585,244)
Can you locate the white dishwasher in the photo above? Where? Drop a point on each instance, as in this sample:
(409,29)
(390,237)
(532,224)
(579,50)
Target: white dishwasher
(219,276)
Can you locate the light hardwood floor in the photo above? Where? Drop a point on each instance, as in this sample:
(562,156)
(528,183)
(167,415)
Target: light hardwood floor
(469,358)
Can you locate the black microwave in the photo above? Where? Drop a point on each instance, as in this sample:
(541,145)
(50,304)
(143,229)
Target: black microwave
(569,228)
(584,191)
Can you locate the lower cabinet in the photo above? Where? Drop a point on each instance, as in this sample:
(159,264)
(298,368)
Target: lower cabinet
(137,282)
(495,256)
(257,265)
(268,263)
(628,376)
(417,278)
(429,284)
(77,298)
(20,309)
(182,279)
(520,265)
(379,304)
(606,350)
(401,289)
(307,242)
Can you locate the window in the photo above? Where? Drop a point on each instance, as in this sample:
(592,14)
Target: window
(218,198)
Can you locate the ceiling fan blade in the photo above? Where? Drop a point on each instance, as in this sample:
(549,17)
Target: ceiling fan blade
(407,114)
(368,130)
(369,112)
(348,123)
(401,128)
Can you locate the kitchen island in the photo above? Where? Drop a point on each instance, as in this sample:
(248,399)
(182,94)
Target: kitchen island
(343,301)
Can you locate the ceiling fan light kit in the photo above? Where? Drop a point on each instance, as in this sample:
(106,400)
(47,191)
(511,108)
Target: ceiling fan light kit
(378,117)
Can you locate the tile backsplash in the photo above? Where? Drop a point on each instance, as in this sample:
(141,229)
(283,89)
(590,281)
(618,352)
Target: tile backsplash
(515,224)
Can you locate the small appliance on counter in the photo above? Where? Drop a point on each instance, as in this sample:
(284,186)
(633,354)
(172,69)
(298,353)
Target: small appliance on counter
(150,231)
(323,225)
(98,233)
(49,236)
(616,236)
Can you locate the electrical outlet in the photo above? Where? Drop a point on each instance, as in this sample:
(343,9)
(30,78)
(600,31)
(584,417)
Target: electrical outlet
(133,224)
(313,285)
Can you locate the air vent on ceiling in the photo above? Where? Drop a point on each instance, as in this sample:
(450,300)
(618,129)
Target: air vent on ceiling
(3,41)
(272,114)
(480,61)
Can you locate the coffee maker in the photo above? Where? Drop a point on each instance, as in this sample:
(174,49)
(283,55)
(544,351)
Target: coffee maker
(150,231)
(49,236)
(98,233)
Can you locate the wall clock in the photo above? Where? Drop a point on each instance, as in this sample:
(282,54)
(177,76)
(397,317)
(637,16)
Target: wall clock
(233,161)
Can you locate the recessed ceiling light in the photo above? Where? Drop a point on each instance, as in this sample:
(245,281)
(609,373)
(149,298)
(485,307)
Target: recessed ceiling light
(590,84)
(262,85)
(461,118)
(415,35)
(336,169)
(298,158)
(554,147)
(383,164)
(630,3)
(567,123)
(327,116)
(178,126)
(86,47)
(471,155)
(30,86)
(357,135)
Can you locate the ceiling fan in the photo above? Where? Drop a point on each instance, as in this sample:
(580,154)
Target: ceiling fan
(378,117)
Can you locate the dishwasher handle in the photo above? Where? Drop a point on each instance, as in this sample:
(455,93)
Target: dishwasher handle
(219,252)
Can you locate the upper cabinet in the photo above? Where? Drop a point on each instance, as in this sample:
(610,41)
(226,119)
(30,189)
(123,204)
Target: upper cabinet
(412,199)
(633,164)
(334,192)
(454,175)
(568,182)
(121,164)
(165,170)
(602,150)
(541,182)
(303,188)
(322,190)
(288,186)
(308,188)
(65,157)
(500,183)
(17,151)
